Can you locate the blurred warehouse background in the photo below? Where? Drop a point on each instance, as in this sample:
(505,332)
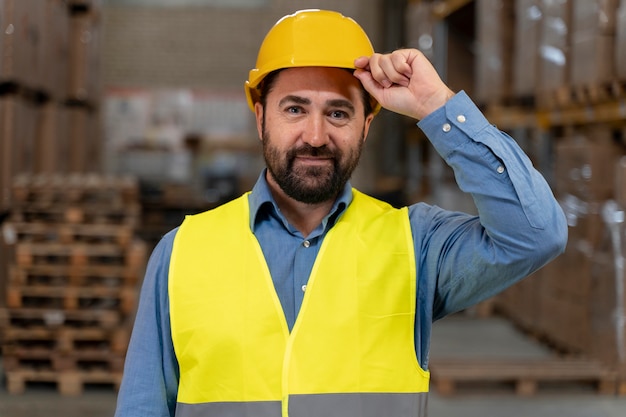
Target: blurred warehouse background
(119,117)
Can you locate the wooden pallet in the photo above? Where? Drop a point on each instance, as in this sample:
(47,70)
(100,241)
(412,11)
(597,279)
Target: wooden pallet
(121,299)
(67,339)
(75,188)
(15,358)
(80,254)
(582,95)
(70,383)
(599,92)
(70,275)
(69,233)
(526,375)
(555,99)
(54,318)
(87,213)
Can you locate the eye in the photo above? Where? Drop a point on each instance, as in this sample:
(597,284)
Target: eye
(338,114)
(294,110)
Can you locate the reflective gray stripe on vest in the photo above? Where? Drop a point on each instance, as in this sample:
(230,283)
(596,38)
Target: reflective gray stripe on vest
(358,405)
(317,405)
(230,409)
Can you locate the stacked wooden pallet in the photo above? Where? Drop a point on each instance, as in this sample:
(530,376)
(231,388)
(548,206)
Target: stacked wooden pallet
(71,280)
(525,375)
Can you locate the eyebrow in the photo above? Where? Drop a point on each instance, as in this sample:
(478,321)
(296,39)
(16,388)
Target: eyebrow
(293,99)
(341,103)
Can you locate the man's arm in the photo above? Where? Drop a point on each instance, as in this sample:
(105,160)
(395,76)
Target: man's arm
(520,225)
(151,373)
(519,228)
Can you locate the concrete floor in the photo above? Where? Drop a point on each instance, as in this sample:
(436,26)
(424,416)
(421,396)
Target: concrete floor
(454,336)
(467,337)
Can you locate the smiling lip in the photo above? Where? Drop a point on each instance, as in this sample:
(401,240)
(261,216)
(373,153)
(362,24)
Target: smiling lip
(313,160)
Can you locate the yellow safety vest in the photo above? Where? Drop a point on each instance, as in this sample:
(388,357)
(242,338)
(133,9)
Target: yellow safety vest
(351,350)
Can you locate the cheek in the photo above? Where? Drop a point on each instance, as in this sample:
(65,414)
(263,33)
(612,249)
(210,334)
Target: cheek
(350,138)
(282,134)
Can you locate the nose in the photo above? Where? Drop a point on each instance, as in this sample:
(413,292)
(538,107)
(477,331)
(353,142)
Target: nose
(316,133)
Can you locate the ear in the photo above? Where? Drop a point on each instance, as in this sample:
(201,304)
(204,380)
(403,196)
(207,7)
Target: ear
(258,113)
(366,126)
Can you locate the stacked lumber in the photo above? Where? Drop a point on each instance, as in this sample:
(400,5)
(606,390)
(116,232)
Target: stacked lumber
(71,280)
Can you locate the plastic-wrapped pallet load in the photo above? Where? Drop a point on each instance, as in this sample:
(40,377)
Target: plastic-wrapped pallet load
(553,50)
(528,17)
(592,42)
(620,41)
(608,298)
(494,38)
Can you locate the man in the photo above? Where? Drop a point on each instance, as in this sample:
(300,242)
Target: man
(306,297)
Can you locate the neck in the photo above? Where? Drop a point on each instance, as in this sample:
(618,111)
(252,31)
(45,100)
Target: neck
(304,217)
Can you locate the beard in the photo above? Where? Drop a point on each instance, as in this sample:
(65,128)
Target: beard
(310,185)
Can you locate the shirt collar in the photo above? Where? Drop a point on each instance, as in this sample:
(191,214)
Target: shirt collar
(261,199)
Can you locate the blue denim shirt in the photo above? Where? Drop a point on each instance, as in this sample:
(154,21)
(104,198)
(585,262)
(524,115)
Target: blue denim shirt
(461,259)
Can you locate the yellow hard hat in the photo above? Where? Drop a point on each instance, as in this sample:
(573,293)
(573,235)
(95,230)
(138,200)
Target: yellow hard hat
(309,38)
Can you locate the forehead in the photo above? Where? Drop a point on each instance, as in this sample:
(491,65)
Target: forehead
(312,81)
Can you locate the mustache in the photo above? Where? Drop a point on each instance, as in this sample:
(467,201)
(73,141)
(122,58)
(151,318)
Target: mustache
(308,150)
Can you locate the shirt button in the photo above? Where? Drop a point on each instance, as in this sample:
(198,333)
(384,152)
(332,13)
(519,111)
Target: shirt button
(500,169)
(460,118)
(304,288)
(446,127)
(306,243)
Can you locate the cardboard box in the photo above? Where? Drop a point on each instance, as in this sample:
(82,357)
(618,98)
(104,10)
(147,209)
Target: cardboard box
(594,17)
(608,310)
(553,45)
(620,182)
(7,149)
(592,60)
(420,27)
(10,58)
(494,40)
(51,139)
(17,127)
(528,17)
(520,302)
(620,41)
(54,48)
(84,54)
(565,321)
(592,41)
(83,140)
(586,169)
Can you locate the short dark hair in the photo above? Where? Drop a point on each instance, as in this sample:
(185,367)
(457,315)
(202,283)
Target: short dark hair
(268,82)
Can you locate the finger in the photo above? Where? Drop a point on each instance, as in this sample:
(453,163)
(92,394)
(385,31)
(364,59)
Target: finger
(396,69)
(402,64)
(362,62)
(369,83)
(378,73)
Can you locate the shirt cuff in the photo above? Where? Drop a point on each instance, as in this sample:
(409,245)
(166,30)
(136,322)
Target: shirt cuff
(459,114)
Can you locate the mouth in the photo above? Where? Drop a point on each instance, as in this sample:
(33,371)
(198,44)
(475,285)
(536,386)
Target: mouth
(309,160)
